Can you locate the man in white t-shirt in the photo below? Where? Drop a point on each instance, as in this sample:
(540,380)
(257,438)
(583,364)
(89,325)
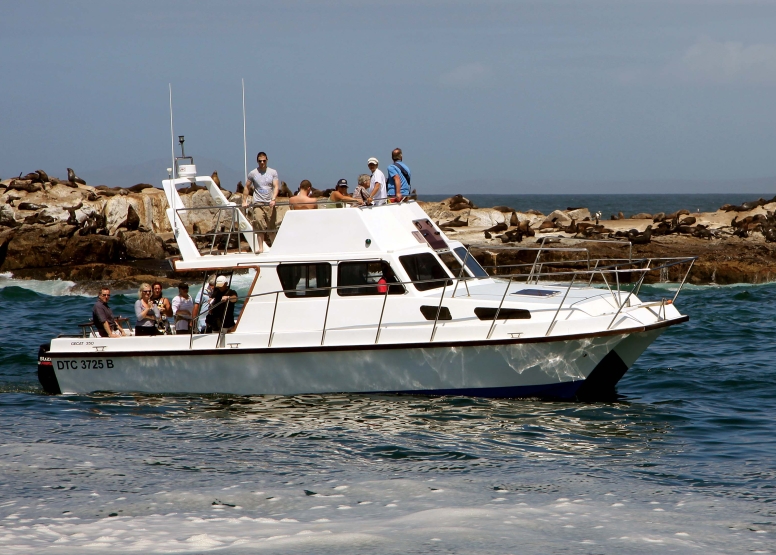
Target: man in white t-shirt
(377,191)
(261,186)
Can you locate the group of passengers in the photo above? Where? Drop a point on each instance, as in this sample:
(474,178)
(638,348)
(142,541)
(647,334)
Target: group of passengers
(211,312)
(262,186)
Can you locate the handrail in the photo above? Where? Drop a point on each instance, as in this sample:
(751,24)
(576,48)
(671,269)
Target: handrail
(498,310)
(615,269)
(439,309)
(552,324)
(235,227)
(684,279)
(622,305)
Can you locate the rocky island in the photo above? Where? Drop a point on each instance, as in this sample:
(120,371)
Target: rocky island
(53,228)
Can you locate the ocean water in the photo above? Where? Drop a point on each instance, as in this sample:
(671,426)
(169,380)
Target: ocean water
(611,204)
(683,462)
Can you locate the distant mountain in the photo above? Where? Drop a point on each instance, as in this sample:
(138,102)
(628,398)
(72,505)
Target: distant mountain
(154,171)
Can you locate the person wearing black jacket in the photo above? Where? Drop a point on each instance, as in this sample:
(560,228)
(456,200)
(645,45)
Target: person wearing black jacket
(222,303)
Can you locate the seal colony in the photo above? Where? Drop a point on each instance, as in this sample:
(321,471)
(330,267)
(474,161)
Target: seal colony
(53,228)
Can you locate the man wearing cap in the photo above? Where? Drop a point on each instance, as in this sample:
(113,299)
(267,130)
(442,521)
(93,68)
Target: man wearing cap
(340,193)
(399,176)
(221,307)
(263,184)
(377,191)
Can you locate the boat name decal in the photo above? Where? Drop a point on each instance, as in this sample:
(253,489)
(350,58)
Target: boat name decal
(84,364)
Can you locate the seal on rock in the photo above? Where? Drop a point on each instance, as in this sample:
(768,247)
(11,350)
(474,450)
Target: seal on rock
(73,178)
(284,191)
(140,187)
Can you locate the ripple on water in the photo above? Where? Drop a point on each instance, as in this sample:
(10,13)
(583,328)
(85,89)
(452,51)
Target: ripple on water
(694,420)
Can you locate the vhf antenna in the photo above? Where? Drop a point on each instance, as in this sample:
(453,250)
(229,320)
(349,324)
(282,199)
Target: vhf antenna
(245,144)
(172,138)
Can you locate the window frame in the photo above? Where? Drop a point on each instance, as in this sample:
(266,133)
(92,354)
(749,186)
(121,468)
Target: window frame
(470,257)
(434,283)
(393,287)
(295,292)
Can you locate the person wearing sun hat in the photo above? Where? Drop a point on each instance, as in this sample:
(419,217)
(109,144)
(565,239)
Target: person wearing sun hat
(377,191)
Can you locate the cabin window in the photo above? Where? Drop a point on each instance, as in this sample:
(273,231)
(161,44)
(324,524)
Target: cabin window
(363,278)
(452,263)
(304,280)
(472,265)
(430,312)
(422,267)
(490,312)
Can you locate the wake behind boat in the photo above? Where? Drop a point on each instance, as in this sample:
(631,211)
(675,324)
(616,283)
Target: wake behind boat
(377,299)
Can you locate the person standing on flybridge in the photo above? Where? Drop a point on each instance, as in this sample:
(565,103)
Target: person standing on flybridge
(399,176)
(377,192)
(263,184)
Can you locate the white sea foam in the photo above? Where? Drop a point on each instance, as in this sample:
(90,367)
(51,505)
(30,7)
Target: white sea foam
(464,518)
(52,287)
(62,288)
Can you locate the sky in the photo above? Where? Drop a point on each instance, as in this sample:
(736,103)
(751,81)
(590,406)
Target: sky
(483,96)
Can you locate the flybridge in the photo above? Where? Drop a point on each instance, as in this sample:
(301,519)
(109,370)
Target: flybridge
(223,235)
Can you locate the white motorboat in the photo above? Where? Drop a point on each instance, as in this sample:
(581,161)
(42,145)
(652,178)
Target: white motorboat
(376,299)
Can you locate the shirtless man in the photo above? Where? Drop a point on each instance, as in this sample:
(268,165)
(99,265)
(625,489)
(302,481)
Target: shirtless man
(302,200)
(340,194)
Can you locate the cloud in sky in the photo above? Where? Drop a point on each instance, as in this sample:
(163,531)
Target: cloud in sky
(466,76)
(709,61)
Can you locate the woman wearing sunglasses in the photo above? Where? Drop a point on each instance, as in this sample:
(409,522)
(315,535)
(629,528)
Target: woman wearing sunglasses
(146,312)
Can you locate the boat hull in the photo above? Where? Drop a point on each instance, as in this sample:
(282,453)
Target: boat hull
(545,369)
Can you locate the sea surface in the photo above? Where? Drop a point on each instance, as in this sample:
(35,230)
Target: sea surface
(611,204)
(683,462)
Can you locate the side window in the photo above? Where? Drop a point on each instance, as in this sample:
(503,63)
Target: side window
(422,267)
(299,279)
(367,278)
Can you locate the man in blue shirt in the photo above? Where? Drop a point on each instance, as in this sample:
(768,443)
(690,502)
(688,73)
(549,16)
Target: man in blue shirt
(399,177)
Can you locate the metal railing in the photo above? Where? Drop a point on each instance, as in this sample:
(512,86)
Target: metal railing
(227,229)
(614,270)
(543,248)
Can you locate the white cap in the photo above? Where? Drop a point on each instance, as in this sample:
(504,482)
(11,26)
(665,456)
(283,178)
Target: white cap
(221,280)
(372,160)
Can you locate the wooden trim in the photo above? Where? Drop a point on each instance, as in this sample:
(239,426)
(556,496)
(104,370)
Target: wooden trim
(248,297)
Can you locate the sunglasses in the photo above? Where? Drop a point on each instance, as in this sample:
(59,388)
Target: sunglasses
(104,294)
(147,291)
(262,161)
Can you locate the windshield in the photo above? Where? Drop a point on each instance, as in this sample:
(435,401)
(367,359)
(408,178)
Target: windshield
(473,267)
(451,262)
(424,267)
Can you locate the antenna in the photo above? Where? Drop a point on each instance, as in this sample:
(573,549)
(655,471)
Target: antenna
(172,134)
(170,171)
(245,144)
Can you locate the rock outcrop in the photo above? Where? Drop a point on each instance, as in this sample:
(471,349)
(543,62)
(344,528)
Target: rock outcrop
(65,228)
(53,225)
